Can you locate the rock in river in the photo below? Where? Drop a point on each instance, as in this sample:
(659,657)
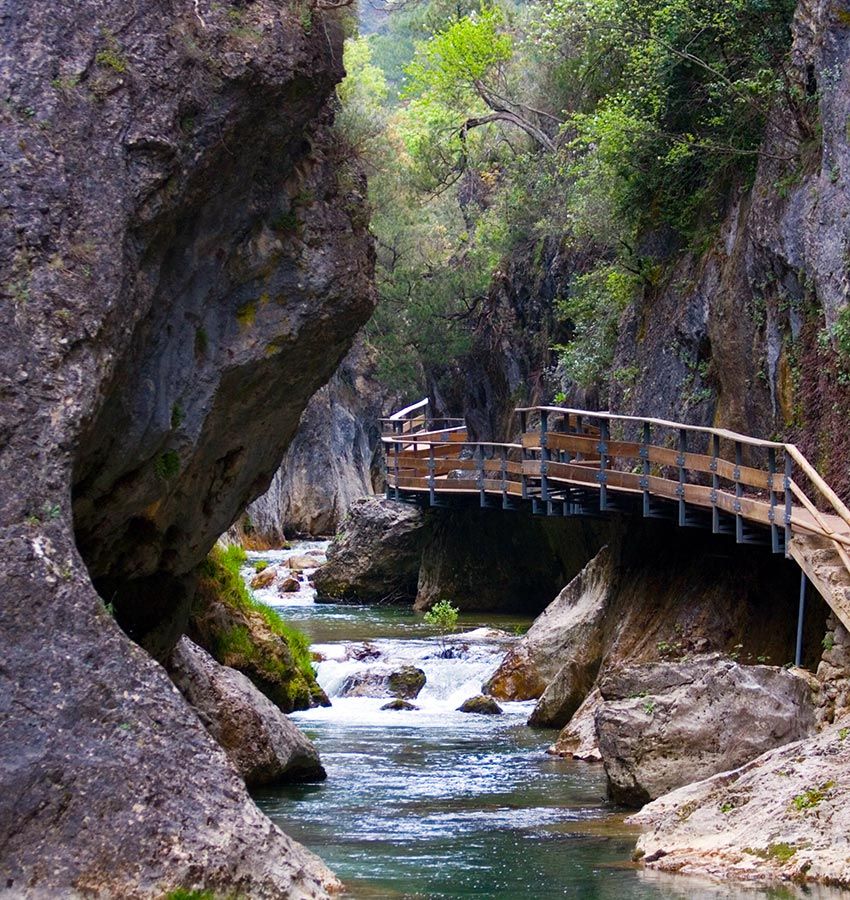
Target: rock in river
(783,816)
(404,683)
(257,737)
(485,706)
(399,705)
(663,725)
(375,556)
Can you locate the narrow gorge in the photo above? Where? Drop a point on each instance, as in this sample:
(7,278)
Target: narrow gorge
(577,625)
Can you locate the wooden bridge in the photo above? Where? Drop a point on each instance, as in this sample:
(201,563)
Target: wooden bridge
(573,462)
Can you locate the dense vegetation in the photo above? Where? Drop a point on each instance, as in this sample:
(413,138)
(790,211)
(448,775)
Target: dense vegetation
(612,126)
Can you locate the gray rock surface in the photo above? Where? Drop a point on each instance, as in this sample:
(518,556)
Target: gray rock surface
(263,745)
(335,458)
(375,556)
(181,271)
(577,739)
(784,816)
(404,683)
(563,648)
(663,725)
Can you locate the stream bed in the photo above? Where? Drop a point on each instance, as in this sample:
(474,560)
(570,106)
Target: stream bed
(435,803)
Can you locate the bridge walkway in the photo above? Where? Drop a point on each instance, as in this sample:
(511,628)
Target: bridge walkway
(573,462)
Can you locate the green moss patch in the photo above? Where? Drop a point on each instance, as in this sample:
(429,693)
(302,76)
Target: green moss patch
(241,632)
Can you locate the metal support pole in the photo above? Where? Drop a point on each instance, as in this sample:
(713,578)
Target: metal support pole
(801,614)
(739,492)
(715,484)
(774,530)
(523,455)
(680,490)
(431,467)
(544,456)
(646,467)
(604,437)
(397,435)
(789,471)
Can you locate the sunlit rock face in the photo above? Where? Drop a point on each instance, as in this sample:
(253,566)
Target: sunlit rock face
(184,262)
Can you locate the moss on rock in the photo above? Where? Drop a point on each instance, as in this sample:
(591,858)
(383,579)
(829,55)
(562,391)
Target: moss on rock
(240,632)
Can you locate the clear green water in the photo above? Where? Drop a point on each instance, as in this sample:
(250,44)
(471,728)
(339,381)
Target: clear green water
(441,804)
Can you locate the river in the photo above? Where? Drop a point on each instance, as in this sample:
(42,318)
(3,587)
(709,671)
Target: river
(435,803)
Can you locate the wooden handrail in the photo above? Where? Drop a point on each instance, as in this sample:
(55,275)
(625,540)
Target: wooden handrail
(550,459)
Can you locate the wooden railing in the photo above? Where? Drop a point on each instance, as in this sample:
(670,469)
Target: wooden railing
(573,461)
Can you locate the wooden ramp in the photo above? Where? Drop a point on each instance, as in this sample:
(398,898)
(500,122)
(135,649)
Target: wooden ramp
(573,462)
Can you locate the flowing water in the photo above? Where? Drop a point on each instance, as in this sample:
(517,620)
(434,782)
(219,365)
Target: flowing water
(435,803)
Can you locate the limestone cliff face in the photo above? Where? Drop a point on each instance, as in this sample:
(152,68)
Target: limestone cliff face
(184,263)
(334,459)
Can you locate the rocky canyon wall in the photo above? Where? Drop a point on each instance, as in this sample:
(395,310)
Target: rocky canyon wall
(185,262)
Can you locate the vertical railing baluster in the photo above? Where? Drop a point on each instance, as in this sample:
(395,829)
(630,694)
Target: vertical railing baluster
(739,493)
(680,490)
(431,475)
(503,458)
(523,455)
(789,472)
(646,469)
(771,486)
(602,476)
(478,456)
(544,456)
(397,429)
(715,483)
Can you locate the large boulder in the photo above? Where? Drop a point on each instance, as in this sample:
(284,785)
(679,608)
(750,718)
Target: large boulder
(263,745)
(783,816)
(375,556)
(182,270)
(663,725)
(568,631)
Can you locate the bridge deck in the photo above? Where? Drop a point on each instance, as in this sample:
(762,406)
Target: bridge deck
(584,462)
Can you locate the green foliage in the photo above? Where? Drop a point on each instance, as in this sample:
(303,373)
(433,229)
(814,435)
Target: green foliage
(828,641)
(189,894)
(111,56)
(843,733)
(167,465)
(260,565)
(593,310)
(177,415)
(811,797)
(781,852)
(443,616)
(488,127)
(223,566)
